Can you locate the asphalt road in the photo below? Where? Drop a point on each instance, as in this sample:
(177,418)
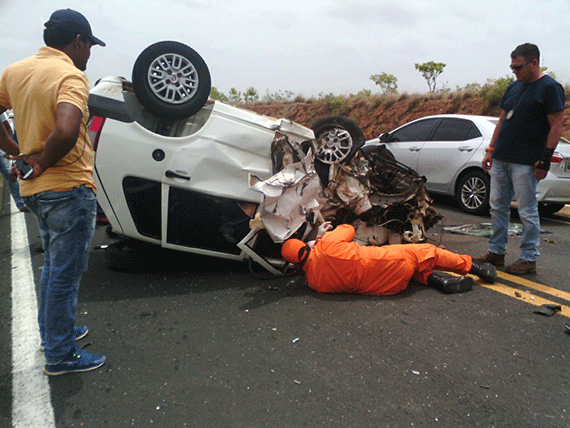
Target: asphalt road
(201,342)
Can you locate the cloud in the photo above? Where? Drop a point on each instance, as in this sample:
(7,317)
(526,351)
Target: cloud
(309,47)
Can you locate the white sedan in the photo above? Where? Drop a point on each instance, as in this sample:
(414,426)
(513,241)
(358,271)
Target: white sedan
(448,149)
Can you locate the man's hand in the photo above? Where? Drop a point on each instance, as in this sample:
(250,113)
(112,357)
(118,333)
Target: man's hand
(542,166)
(31,160)
(324,227)
(538,172)
(487,161)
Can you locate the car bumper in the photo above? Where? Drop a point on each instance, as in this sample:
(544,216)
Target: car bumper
(553,189)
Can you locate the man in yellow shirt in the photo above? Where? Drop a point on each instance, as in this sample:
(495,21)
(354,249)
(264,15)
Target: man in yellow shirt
(337,264)
(48,93)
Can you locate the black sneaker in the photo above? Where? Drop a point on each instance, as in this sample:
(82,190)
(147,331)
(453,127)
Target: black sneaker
(78,361)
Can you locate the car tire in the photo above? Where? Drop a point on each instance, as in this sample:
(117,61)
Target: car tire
(473,192)
(167,94)
(337,138)
(547,209)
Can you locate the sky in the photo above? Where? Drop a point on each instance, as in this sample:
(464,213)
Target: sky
(310,47)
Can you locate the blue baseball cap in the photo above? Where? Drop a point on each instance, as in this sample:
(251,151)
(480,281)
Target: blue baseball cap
(72,21)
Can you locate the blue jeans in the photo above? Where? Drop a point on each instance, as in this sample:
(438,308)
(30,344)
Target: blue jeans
(5,168)
(67,222)
(508,180)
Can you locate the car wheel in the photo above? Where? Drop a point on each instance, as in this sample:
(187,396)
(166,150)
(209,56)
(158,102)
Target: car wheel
(171,80)
(338,139)
(546,209)
(473,193)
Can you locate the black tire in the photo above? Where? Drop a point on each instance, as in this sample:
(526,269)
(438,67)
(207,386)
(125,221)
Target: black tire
(166,94)
(338,139)
(547,209)
(473,192)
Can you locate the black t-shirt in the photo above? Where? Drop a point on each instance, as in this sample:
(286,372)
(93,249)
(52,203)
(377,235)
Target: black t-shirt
(524,132)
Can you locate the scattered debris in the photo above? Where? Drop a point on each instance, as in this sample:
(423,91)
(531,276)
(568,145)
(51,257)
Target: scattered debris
(485,230)
(384,200)
(548,309)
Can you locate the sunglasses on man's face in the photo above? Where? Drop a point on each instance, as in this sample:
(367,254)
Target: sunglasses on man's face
(519,67)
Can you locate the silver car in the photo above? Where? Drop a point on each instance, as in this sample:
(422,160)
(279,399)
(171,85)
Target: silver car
(448,149)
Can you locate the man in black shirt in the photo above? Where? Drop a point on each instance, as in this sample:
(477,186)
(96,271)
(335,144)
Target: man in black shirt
(519,155)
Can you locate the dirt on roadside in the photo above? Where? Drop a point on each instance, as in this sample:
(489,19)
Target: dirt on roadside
(378,114)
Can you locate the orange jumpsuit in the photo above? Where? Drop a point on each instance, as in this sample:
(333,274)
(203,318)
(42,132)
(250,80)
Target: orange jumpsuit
(336,264)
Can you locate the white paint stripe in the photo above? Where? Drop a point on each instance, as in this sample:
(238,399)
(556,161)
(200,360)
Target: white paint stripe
(31,406)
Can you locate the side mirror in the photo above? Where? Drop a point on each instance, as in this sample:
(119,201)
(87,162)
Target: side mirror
(384,137)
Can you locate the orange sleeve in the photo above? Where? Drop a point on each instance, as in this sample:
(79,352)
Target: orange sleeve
(343,232)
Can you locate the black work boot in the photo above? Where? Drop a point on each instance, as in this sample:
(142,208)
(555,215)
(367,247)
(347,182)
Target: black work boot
(485,271)
(450,284)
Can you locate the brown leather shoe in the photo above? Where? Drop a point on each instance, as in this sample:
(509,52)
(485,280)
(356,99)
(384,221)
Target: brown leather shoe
(489,257)
(520,267)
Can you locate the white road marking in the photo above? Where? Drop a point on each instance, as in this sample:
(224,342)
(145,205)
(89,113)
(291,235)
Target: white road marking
(31,402)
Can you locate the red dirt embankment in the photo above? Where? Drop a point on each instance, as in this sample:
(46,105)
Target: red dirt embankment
(378,114)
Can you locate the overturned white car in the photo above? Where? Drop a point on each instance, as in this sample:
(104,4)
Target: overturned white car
(176,170)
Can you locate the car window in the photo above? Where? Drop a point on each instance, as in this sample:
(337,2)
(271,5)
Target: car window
(456,130)
(417,131)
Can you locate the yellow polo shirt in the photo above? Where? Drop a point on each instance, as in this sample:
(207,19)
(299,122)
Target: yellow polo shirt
(33,88)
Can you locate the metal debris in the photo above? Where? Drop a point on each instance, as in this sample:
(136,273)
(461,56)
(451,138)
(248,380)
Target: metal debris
(385,200)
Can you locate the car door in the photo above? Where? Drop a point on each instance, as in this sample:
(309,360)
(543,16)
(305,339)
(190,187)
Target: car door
(206,181)
(452,145)
(406,142)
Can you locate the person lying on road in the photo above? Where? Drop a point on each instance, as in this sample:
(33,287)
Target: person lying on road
(333,263)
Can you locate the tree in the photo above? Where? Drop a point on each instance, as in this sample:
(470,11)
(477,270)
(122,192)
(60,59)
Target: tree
(387,82)
(250,95)
(234,96)
(430,71)
(217,95)
(494,89)
(363,93)
(278,96)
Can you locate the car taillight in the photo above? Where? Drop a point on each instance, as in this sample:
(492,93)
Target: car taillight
(95,127)
(556,158)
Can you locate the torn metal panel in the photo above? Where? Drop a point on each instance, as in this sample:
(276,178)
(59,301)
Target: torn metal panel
(384,200)
(290,197)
